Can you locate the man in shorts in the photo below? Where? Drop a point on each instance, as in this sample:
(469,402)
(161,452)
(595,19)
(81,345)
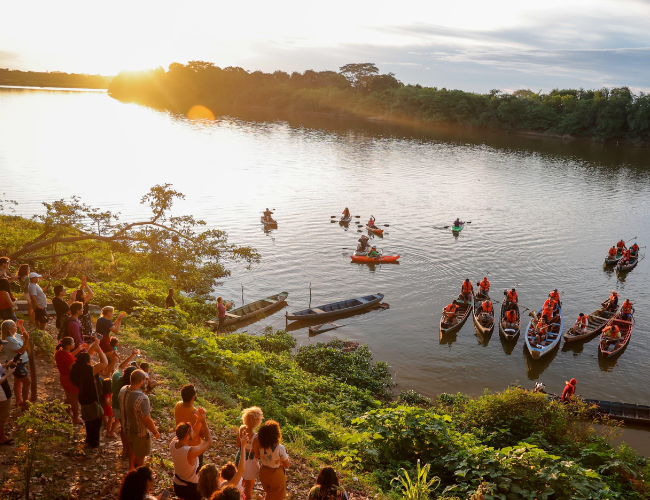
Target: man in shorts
(135,413)
(39,300)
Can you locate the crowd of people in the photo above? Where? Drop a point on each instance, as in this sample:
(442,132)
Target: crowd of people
(102,390)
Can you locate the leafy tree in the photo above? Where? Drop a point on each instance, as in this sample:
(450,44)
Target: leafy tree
(359,74)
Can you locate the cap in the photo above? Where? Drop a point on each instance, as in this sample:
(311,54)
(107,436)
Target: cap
(35,275)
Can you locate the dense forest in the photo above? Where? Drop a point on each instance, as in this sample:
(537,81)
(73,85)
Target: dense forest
(359,90)
(53,79)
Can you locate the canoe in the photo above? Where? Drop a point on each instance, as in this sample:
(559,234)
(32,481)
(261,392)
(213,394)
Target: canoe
(476,314)
(553,337)
(627,412)
(457,229)
(325,327)
(609,350)
(631,265)
(376,260)
(249,311)
(345,220)
(509,333)
(611,262)
(268,223)
(596,322)
(337,308)
(464,310)
(375,230)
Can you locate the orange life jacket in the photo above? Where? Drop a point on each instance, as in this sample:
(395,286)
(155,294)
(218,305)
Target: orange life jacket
(581,321)
(611,331)
(612,297)
(451,308)
(626,308)
(548,311)
(549,304)
(511,316)
(612,252)
(467,287)
(512,296)
(485,285)
(634,248)
(542,328)
(487,306)
(620,244)
(371,222)
(555,296)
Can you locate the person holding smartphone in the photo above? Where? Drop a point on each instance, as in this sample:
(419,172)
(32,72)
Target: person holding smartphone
(15,347)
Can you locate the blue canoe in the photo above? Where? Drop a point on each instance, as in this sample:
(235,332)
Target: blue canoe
(553,337)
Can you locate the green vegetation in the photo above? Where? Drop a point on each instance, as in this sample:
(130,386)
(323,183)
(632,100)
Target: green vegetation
(359,90)
(53,79)
(334,404)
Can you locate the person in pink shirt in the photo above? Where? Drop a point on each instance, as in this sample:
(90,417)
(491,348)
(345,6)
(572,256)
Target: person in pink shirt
(222,314)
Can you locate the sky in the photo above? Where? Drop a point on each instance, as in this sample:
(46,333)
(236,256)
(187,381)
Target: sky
(469,45)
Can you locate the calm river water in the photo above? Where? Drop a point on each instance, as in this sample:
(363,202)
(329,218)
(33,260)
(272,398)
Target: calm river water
(543,212)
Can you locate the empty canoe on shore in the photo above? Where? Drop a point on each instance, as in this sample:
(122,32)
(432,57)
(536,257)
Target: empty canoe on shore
(627,412)
(336,308)
(610,348)
(553,336)
(596,321)
(462,313)
(374,260)
(509,332)
(325,327)
(375,230)
(251,310)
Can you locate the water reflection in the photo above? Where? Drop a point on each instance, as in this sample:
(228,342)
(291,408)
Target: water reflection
(535,367)
(448,338)
(508,345)
(607,364)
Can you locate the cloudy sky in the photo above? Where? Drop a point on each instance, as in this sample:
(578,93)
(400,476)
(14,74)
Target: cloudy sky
(469,45)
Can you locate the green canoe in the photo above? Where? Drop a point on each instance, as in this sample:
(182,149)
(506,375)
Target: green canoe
(457,229)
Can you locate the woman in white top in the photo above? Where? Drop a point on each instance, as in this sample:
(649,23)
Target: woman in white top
(186,458)
(252,418)
(15,345)
(274,460)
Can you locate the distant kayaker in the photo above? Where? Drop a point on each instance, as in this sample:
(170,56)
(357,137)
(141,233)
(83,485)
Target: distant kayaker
(458,223)
(484,285)
(581,323)
(373,253)
(627,310)
(346,213)
(634,250)
(466,290)
(569,391)
(612,252)
(611,304)
(450,312)
(371,222)
(267,215)
(621,245)
(363,244)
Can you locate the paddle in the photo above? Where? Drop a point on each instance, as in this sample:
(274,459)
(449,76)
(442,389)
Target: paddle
(447,227)
(630,239)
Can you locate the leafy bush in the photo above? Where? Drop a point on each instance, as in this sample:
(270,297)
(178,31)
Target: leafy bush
(152,316)
(347,362)
(421,487)
(413,398)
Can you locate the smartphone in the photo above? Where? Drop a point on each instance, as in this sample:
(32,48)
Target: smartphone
(99,336)
(165,495)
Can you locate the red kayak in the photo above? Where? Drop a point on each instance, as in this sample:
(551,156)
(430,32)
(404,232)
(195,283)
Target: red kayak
(375,230)
(384,258)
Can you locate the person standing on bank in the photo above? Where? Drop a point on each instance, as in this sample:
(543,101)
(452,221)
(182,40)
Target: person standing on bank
(222,314)
(39,300)
(135,417)
(169,300)
(6,369)
(60,305)
(105,327)
(7,301)
(15,344)
(85,376)
(65,359)
(184,411)
(84,294)
(274,460)
(23,280)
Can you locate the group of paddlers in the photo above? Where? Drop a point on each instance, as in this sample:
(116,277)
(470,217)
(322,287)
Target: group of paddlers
(486,309)
(364,248)
(626,254)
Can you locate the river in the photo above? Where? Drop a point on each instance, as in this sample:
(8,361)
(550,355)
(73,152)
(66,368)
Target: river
(543,213)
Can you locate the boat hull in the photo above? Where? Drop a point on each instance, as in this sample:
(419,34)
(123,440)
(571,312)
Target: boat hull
(625,268)
(626,333)
(267,223)
(597,320)
(334,309)
(251,310)
(375,230)
(553,337)
(614,261)
(465,311)
(364,259)
(482,329)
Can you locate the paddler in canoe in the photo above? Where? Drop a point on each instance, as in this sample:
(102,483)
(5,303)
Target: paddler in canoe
(466,290)
(510,320)
(484,286)
(486,318)
(620,246)
(373,253)
(625,260)
(634,250)
(346,213)
(511,299)
(450,313)
(627,310)
(267,216)
(540,331)
(581,324)
(611,335)
(611,254)
(611,304)
(371,222)
(555,295)
(363,247)
(548,311)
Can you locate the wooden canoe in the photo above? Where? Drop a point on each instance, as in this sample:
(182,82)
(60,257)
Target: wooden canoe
(596,322)
(509,333)
(268,223)
(476,314)
(627,412)
(553,337)
(464,310)
(611,262)
(375,230)
(609,348)
(325,327)
(249,311)
(621,268)
(345,220)
(336,308)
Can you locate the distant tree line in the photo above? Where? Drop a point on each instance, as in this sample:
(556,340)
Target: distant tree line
(359,90)
(53,79)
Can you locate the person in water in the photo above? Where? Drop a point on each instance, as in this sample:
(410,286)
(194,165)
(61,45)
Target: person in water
(373,253)
(346,213)
(267,215)
(363,244)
